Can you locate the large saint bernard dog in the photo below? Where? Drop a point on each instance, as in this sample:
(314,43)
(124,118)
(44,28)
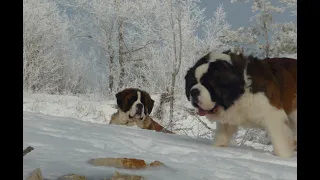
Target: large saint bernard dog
(135,105)
(235,90)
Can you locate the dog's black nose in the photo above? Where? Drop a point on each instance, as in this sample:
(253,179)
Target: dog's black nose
(194,93)
(139,106)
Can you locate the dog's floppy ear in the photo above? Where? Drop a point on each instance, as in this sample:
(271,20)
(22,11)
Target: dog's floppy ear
(149,101)
(120,98)
(150,105)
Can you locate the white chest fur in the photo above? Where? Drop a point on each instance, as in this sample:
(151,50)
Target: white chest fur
(250,110)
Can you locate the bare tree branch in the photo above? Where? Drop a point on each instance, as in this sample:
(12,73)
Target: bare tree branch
(180,48)
(135,60)
(27,150)
(138,49)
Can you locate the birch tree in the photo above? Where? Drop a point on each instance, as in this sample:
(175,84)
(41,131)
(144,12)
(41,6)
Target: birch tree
(180,23)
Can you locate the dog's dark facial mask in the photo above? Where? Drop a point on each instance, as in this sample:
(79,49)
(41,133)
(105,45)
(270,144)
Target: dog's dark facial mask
(223,83)
(148,102)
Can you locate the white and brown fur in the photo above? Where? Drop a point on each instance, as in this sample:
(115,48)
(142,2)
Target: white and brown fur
(235,90)
(134,108)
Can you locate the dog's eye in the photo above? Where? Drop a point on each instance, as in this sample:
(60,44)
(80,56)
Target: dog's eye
(131,101)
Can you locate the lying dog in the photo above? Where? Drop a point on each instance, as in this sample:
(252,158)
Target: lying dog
(236,90)
(135,105)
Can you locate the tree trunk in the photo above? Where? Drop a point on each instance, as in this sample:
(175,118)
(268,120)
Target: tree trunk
(121,56)
(267,39)
(173,82)
(173,77)
(111,56)
(177,64)
(164,98)
(111,73)
(111,64)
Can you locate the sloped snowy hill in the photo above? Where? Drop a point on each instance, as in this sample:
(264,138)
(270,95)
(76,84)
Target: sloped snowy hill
(63,145)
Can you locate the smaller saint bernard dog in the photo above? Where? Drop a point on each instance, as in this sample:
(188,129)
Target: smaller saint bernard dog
(236,90)
(134,109)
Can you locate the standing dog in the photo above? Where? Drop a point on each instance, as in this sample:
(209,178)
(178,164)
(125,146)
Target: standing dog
(236,90)
(135,106)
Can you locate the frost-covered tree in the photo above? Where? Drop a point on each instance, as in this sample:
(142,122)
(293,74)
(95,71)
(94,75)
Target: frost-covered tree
(180,45)
(175,12)
(122,30)
(243,38)
(285,34)
(266,38)
(45,33)
(148,44)
(262,27)
(290,5)
(215,29)
(139,41)
(284,39)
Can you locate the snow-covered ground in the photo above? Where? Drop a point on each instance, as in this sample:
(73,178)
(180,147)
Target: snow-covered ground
(294,56)
(99,111)
(62,146)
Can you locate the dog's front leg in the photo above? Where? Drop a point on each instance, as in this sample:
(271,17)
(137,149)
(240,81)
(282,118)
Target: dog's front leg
(223,134)
(280,133)
(293,125)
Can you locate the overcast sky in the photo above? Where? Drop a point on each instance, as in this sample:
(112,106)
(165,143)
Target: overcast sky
(238,14)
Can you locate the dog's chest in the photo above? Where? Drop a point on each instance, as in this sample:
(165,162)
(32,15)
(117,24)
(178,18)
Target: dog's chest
(250,110)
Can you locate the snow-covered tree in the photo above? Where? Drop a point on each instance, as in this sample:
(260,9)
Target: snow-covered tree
(215,29)
(262,28)
(122,31)
(284,39)
(285,34)
(45,31)
(290,5)
(148,44)
(266,38)
(181,45)
(243,38)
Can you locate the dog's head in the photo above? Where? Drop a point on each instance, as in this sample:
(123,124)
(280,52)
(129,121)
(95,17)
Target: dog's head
(136,103)
(215,81)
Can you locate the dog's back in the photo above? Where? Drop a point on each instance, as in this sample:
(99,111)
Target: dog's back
(284,70)
(277,77)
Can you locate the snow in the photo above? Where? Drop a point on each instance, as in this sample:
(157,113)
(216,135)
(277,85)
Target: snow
(294,56)
(100,111)
(62,145)
(97,110)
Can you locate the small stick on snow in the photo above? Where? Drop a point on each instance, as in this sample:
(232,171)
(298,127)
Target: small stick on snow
(27,150)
